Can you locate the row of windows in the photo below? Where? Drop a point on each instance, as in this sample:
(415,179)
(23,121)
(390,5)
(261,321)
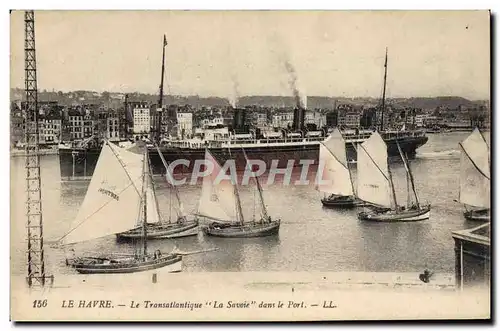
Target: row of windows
(79,135)
(51,126)
(51,138)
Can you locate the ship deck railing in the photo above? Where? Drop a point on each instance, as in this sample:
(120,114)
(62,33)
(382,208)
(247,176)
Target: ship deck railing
(226,143)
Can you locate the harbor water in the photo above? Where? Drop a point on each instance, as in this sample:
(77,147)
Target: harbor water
(311,239)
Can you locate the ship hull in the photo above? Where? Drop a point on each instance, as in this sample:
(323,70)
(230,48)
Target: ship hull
(341,202)
(482,215)
(402,216)
(78,163)
(171,263)
(159,231)
(243,231)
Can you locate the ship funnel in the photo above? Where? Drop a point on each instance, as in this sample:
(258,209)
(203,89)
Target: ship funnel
(239,120)
(299,115)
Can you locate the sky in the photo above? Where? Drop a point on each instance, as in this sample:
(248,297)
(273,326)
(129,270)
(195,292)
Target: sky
(231,53)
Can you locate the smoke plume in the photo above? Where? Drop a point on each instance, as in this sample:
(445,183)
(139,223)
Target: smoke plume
(233,99)
(300,99)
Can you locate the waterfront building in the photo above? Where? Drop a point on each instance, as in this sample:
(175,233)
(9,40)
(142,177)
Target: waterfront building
(50,129)
(75,120)
(350,119)
(184,125)
(283,120)
(113,132)
(142,120)
(89,126)
(316,118)
(212,121)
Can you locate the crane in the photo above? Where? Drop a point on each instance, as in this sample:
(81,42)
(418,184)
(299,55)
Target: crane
(37,275)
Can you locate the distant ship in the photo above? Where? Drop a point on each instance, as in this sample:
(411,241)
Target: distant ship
(280,145)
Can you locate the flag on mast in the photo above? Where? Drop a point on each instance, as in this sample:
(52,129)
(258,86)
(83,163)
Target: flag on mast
(165,41)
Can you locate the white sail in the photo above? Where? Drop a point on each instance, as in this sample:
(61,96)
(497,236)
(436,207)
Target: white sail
(373,172)
(112,202)
(475,171)
(336,144)
(336,174)
(217,200)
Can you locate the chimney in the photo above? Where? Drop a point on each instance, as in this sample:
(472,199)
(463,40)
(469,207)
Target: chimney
(298,118)
(239,120)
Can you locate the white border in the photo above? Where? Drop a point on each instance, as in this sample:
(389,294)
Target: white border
(185,4)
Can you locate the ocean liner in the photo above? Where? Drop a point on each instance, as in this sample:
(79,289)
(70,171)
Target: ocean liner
(282,145)
(80,161)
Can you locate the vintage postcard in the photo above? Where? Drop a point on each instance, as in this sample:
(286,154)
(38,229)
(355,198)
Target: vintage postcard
(250,165)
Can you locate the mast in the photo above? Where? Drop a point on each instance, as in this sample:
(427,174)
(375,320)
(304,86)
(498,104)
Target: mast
(408,198)
(348,168)
(160,98)
(170,207)
(409,175)
(145,202)
(150,173)
(350,178)
(261,196)
(237,195)
(383,93)
(391,183)
(171,185)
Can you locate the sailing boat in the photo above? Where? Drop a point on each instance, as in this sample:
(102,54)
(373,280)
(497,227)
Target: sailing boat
(116,198)
(159,228)
(220,201)
(475,177)
(337,175)
(375,185)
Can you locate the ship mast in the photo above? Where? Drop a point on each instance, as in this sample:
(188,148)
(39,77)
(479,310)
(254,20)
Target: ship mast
(409,175)
(145,203)
(160,98)
(151,181)
(169,179)
(391,182)
(261,197)
(350,171)
(236,193)
(383,93)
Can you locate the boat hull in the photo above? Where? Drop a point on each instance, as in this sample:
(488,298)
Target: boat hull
(160,231)
(341,202)
(171,262)
(75,163)
(401,216)
(243,231)
(482,215)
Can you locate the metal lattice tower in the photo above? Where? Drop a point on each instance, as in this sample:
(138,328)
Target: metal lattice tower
(34,226)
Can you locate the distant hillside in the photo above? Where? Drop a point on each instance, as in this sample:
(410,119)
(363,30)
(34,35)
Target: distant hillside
(115,100)
(451,102)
